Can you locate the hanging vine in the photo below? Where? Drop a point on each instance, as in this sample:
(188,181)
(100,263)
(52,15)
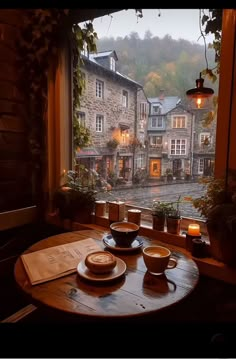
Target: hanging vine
(212,24)
(81,38)
(38,46)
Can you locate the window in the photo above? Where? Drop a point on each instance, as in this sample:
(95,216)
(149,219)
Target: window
(143,110)
(227,115)
(205,139)
(140,161)
(200,166)
(157,122)
(178,147)
(112,64)
(178,122)
(125,137)
(99,123)
(99,89)
(156,140)
(156,109)
(81,118)
(125,98)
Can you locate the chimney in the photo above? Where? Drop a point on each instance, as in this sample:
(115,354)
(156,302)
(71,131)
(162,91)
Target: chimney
(162,94)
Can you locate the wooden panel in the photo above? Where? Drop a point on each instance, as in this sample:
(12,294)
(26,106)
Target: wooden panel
(12,123)
(12,108)
(13,146)
(8,72)
(8,55)
(11,17)
(15,218)
(12,169)
(9,91)
(8,35)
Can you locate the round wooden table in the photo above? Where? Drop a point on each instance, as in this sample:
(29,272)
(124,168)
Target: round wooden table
(136,293)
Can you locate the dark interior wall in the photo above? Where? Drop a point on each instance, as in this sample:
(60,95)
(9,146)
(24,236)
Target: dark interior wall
(15,179)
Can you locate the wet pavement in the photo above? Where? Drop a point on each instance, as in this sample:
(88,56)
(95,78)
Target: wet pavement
(144,195)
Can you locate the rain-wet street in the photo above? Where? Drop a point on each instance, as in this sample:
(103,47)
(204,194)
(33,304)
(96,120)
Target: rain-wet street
(144,196)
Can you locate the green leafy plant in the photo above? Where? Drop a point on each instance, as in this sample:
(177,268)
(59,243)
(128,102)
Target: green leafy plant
(113,143)
(216,194)
(160,208)
(79,192)
(173,210)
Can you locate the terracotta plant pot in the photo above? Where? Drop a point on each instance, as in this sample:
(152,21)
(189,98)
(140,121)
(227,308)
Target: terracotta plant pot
(158,222)
(173,225)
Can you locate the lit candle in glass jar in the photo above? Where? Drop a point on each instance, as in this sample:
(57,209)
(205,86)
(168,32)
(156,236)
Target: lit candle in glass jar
(194,230)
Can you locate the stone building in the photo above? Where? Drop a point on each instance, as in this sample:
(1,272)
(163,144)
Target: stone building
(115,109)
(178,144)
(204,142)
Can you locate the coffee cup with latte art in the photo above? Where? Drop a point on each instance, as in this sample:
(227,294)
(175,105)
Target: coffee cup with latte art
(158,259)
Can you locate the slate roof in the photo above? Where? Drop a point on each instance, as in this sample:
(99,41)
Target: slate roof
(92,58)
(168,102)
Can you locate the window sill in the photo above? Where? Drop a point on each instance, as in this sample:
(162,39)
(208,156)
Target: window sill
(207,265)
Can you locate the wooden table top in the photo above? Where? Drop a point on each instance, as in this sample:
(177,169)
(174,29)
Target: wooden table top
(135,293)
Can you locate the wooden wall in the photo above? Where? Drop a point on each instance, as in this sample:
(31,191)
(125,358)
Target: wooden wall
(15,174)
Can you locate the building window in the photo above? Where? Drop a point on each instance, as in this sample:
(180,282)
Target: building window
(125,137)
(125,98)
(204,139)
(178,147)
(112,64)
(143,110)
(140,161)
(81,118)
(156,140)
(157,122)
(178,122)
(200,166)
(99,89)
(99,123)
(156,109)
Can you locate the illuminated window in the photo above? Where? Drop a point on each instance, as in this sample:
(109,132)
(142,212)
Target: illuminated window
(178,122)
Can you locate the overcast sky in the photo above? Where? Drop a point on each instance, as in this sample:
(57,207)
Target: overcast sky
(178,23)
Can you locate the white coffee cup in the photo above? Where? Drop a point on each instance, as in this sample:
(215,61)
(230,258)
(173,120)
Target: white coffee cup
(157,259)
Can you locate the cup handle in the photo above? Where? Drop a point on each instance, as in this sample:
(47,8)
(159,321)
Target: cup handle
(174,263)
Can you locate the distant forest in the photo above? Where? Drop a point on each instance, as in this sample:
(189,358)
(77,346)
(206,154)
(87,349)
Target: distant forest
(160,63)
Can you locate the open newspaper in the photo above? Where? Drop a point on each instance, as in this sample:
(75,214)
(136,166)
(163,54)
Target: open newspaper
(56,261)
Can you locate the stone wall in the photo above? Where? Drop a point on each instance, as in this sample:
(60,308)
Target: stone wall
(110,107)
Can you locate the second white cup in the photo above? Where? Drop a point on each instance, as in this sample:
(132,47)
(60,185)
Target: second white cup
(157,259)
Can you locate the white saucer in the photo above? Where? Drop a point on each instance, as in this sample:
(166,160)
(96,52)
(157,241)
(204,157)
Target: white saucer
(110,243)
(115,273)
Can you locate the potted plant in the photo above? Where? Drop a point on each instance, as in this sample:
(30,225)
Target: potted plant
(173,218)
(169,175)
(159,210)
(75,199)
(218,207)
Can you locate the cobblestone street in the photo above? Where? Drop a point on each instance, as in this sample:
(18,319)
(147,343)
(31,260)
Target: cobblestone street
(144,196)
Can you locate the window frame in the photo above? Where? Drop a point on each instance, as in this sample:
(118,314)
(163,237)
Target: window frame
(112,64)
(174,120)
(225,153)
(125,98)
(99,128)
(200,165)
(181,144)
(99,89)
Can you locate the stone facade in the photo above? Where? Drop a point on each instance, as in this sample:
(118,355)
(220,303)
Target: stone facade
(110,109)
(175,140)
